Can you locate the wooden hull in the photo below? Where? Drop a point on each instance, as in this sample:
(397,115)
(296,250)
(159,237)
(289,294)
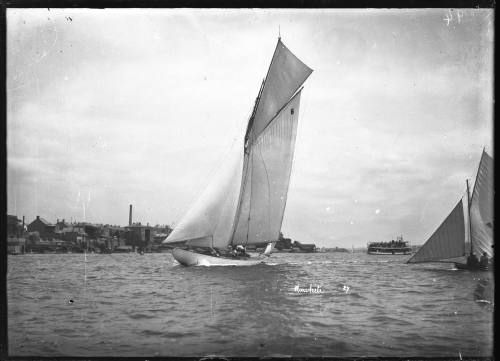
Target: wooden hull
(189,258)
(466,267)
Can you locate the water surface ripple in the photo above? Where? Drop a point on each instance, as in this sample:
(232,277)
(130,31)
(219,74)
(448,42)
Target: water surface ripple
(133,305)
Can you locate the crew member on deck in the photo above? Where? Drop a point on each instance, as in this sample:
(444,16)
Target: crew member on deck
(483,263)
(241,251)
(234,252)
(472,260)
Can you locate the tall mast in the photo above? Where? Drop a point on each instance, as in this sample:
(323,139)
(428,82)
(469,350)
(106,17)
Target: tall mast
(468,215)
(250,120)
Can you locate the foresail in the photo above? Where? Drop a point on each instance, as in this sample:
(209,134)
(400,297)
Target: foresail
(285,76)
(267,169)
(448,241)
(481,208)
(209,222)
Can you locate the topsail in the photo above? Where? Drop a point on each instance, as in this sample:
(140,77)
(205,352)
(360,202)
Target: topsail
(285,76)
(248,206)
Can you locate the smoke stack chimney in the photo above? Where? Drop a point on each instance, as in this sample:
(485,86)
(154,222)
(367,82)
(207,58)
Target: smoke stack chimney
(130,216)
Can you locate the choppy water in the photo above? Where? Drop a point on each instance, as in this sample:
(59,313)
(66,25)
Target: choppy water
(133,305)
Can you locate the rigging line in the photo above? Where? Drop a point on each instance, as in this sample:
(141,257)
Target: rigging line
(243,184)
(296,90)
(217,223)
(295,93)
(468,216)
(273,119)
(250,121)
(477,174)
(301,115)
(181,211)
(268,189)
(237,215)
(252,116)
(466,193)
(292,147)
(244,173)
(250,196)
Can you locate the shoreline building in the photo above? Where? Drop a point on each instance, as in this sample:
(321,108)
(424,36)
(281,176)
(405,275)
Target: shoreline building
(44,228)
(16,231)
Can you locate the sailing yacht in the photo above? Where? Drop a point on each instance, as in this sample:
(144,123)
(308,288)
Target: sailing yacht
(247,207)
(447,243)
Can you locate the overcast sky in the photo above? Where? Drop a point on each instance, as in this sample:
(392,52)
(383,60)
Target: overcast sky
(108,108)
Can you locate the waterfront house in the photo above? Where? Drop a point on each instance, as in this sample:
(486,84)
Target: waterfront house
(44,228)
(302,247)
(60,225)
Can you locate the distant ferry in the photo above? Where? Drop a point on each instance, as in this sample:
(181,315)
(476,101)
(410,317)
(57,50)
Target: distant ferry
(393,247)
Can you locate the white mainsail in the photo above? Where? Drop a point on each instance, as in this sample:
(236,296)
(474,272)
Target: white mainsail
(265,187)
(448,241)
(269,147)
(481,208)
(248,207)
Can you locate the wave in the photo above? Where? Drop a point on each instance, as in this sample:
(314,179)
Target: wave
(138,316)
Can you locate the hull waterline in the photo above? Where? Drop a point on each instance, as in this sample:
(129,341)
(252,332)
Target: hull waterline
(188,258)
(463,266)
